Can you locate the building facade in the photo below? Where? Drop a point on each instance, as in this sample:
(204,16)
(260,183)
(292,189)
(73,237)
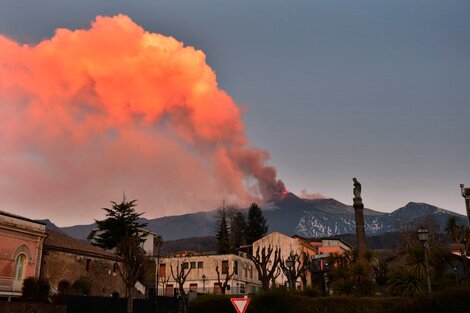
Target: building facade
(20,252)
(316,249)
(203,277)
(67,260)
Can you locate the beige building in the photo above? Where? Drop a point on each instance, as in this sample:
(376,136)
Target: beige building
(202,277)
(20,252)
(317,248)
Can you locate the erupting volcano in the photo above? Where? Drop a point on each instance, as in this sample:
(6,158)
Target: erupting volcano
(90,113)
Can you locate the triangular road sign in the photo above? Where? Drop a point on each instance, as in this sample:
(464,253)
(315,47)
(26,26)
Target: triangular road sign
(240,304)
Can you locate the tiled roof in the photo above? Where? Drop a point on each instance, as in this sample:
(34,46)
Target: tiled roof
(59,241)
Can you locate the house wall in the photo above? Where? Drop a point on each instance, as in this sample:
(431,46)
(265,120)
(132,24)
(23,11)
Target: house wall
(287,245)
(245,280)
(298,245)
(60,266)
(19,237)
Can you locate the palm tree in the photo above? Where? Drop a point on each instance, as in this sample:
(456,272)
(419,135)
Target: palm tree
(405,282)
(460,234)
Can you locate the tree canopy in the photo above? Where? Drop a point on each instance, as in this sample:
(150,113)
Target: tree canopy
(256,226)
(223,239)
(122,231)
(121,222)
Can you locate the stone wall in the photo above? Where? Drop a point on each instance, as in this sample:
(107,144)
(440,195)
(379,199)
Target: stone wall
(104,276)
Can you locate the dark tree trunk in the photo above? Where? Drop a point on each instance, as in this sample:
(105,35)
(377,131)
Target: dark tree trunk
(130,299)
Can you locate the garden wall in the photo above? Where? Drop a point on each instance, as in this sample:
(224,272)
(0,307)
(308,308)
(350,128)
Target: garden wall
(24,307)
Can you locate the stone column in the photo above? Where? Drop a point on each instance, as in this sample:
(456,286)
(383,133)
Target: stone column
(359,214)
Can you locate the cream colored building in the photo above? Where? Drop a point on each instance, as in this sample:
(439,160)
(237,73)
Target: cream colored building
(320,248)
(202,277)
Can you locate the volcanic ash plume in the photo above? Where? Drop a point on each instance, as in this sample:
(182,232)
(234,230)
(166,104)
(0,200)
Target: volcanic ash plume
(91,113)
(307,195)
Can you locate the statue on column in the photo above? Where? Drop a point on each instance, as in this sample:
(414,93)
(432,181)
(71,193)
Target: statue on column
(359,215)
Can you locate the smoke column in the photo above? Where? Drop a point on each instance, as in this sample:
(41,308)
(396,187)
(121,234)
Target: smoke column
(88,114)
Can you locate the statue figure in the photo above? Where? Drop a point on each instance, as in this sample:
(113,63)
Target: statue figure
(357,193)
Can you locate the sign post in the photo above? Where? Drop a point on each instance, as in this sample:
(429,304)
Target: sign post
(240,304)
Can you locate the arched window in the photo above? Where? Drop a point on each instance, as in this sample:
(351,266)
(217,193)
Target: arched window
(20,266)
(64,287)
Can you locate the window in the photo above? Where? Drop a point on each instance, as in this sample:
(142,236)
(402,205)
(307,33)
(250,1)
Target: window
(225,267)
(88,265)
(63,287)
(235,267)
(184,266)
(193,287)
(162,272)
(115,268)
(193,265)
(199,265)
(242,288)
(217,289)
(20,264)
(170,292)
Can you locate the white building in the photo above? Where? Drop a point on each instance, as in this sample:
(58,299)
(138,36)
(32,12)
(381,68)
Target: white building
(150,244)
(202,277)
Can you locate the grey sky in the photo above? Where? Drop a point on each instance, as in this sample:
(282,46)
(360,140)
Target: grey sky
(379,90)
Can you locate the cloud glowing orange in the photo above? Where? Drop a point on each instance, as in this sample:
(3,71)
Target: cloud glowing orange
(90,113)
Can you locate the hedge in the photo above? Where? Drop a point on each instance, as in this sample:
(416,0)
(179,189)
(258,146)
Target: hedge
(452,300)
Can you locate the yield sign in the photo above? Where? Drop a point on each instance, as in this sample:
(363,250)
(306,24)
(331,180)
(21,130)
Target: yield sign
(240,304)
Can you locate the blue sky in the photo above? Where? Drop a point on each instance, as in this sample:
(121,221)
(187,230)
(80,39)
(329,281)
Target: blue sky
(379,90)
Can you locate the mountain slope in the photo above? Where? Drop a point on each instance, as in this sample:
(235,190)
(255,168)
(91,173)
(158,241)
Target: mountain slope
(293,215)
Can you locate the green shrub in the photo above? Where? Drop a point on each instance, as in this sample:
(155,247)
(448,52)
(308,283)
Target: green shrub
(311,292)
(275,300)
(211,303)
(35,290)
(82,286)
(283,301)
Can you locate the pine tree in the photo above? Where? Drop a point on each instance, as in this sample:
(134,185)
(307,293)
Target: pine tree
(120,230)
(121,222)
(237,231)
(223,233)
(257,226)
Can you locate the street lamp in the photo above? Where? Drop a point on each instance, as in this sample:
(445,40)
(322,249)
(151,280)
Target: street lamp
(203,283)
(290,263)
(423,236)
